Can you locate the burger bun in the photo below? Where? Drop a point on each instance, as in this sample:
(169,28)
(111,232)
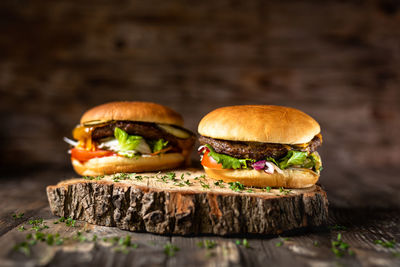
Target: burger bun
(289,178)
(117,164)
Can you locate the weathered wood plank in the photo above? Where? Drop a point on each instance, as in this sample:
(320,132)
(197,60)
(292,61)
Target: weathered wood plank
(299,250)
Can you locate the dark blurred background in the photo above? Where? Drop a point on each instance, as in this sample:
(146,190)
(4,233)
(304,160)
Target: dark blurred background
(338,61)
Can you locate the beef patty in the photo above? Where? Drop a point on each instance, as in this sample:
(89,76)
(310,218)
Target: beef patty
(147,130)
(257,150)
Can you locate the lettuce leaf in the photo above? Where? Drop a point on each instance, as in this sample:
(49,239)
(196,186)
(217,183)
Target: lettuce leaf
(293,157)
(228,162)
(126,141)
(317,161)
(299,158)
(158,145)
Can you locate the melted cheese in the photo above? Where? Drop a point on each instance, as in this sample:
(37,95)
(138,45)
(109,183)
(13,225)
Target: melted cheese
(83,133)
(84,136)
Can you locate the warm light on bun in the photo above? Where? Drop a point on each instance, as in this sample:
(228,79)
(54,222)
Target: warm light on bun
(133,111)
(289,178)
(117,164)
(259,123)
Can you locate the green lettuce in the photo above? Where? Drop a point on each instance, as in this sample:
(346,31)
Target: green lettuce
(298,158)
(158,145)
(126,141)
(228,162)
(292,158)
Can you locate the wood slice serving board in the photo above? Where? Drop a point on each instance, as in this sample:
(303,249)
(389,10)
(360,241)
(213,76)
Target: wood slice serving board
(186,202)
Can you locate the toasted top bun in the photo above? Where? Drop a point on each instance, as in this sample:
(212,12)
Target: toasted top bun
(133,111)
(259,123)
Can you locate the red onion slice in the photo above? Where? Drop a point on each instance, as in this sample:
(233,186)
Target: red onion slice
(202,149)
(259,165)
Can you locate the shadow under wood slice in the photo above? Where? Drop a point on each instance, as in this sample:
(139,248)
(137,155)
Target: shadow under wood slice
(186,205)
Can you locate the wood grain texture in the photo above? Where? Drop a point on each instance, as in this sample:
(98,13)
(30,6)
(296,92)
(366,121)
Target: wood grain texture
(159,205)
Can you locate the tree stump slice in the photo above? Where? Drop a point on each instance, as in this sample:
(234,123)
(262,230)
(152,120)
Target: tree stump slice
(180,202)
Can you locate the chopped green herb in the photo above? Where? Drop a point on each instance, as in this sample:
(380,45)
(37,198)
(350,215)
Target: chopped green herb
(250,190)
(98,178)
(220,183)
(35,222)
(316,244)
(38,224)
(188,183)
(236,186)
(94,238)
(244,242)
(33,239)
(81,238)
(59,241)
(138,177)
(39,236)
(170,249)
(208,244)
(21,228)
(182,176)
(280,243)
(70,222)
(121,176)
(387,244)
(125,241)
(171,176)
(339,248)
(204,185)
(18,216)
(268,189)
(284,191)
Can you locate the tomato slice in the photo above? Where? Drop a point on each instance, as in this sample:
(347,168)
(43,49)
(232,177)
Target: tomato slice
(85,155)
(209,162)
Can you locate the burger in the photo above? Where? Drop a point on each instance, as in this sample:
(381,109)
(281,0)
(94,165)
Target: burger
(129,137)
(261,146)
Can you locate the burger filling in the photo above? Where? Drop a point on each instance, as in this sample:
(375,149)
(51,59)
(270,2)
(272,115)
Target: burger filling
(269,157)
(128,139)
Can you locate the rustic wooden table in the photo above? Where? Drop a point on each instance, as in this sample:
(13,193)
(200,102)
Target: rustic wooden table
(338,61)
(358,227)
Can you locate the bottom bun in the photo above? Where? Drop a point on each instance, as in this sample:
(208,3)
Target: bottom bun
(116,164)
(289,178)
